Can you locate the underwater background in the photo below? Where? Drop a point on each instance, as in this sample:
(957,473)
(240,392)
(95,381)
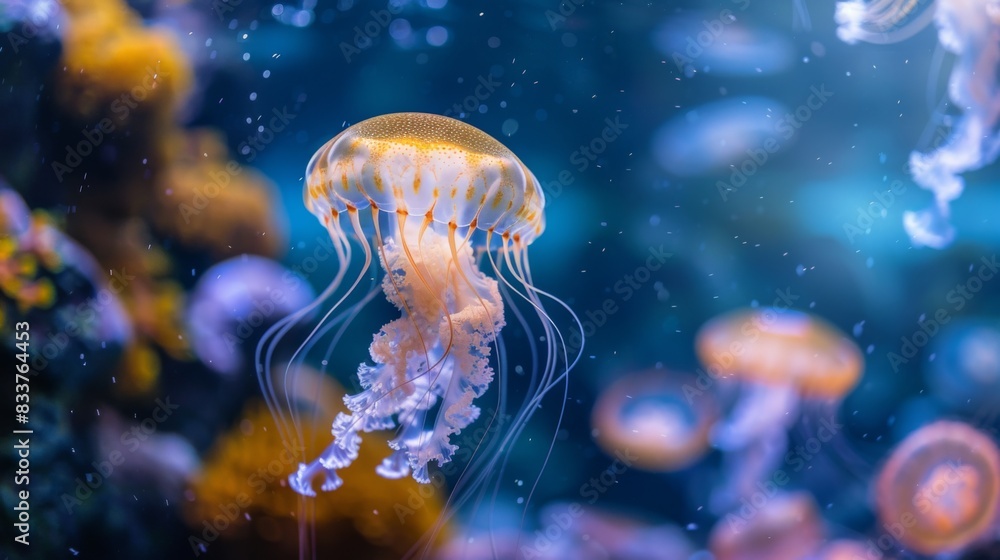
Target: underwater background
(702,162)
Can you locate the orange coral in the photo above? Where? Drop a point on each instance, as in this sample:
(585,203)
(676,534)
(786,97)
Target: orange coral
(212,202)
(369,517)
(112,64)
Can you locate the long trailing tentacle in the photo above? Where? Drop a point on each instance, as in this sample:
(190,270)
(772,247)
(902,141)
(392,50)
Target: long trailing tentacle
(273,336)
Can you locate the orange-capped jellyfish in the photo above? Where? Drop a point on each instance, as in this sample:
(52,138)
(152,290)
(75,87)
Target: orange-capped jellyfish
(435,200)
(784,527)
(781,356)
(845,549)
(652,416)
(970,29)
(940,489)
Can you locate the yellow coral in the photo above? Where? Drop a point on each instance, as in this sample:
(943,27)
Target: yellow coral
(214,203)
(20,257)
(140,369)
(369,517)
(113,65)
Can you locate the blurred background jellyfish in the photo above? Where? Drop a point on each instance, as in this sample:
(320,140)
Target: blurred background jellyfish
(716,136)
(581,532)
(653,416)
(437,198)
(964,371)
(738,50)
(970,30)
(782,357)
(941,486)
(843,549)
(783,526)
(233,300)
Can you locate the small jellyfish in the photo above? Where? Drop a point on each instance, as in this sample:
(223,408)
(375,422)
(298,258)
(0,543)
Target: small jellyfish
(781,357)
(784,526)
(941,487)
(844,549)
(233,304)
(593,533)
(965,372)
(716,136)
(652,416)
(436,201)
(741,50)
(971,30)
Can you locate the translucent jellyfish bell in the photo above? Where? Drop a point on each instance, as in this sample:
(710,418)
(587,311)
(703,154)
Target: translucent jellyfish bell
(441,170)
(781,356)
(233,303)
(652,416)
(434,199)
(942,484)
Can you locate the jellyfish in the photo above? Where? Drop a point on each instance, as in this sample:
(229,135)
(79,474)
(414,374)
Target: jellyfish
(965,370)
(971,30)
(881,21)
(788,525)
(845,549)
(232,303)
(941,488)
(654,417)
(783,357)
(439,203)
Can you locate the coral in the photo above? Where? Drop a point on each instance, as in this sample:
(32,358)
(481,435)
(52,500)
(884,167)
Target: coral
(370,518)
(114,66)
(210,202)
(55,285)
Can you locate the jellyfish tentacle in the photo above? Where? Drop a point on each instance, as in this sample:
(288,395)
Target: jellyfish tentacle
(273,336)
(343,256)
(404,350)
